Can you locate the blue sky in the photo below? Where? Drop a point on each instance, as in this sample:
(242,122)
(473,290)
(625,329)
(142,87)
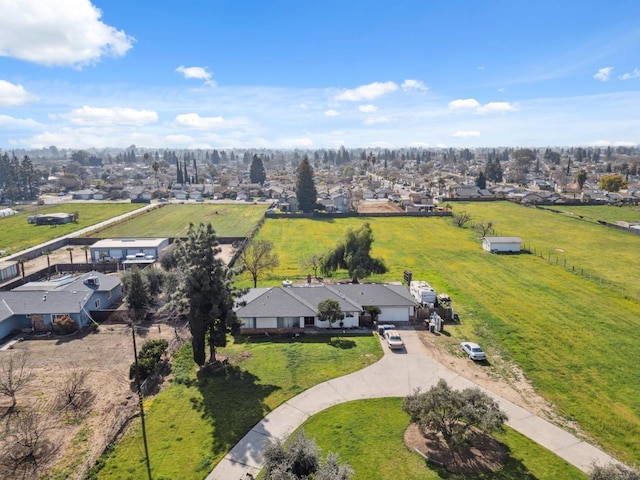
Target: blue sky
(318,74)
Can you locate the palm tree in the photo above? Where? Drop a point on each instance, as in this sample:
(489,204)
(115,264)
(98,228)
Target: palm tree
(48,253)
(86,249)
(70,250)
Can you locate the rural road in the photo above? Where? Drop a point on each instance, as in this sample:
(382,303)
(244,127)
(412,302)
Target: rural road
(397,374)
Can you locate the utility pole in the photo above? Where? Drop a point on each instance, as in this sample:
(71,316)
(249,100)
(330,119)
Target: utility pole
(144,430)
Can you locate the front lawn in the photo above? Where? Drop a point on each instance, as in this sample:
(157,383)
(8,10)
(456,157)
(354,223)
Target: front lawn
(191,425)
(369,436)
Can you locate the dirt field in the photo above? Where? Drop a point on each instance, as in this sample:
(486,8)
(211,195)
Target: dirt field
(104,359)
(375,206)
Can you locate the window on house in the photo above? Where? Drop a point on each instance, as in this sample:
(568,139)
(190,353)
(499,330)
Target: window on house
(97,303)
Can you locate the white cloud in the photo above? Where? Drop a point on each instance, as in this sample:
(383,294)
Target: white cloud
(491,107)
(466,134)
(603,74)
(368,108)
(366,92)
(199,73)
(178,140)
(89,116)
(410,84)
(332,113)
(629,75)
(12,95)
(294,142)
(60,32)
(193,120)
(376,120)
(10,123)
(497,107)
(463,104)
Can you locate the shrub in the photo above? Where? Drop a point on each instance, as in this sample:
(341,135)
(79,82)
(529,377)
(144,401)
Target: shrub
(148,358)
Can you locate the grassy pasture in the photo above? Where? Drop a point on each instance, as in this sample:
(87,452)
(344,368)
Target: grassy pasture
(372,442)
(605,213)
(18,235)
(172,220)
(191,425)
(573,337)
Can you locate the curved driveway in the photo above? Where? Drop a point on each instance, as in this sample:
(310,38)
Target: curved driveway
(396,374)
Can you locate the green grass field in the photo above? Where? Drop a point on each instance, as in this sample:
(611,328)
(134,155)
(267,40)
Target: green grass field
(193,424)
(369,436)
(19,235)
(574,337)
(228,220)
(602,212)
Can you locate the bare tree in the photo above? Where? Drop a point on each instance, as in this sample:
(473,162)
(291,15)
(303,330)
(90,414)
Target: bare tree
(461,219)
(73,390)
(484,228)
(25,445)
(14,375)
(258,257)
(313,262)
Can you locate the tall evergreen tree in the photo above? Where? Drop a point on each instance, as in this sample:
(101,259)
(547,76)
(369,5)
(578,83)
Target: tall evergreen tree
(481,181)
(257,173)
(204,290)
(306,192)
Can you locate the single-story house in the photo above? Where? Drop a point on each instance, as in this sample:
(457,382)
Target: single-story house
(120,248)
(50,218)
(38,305)
(295,307)
(501,244)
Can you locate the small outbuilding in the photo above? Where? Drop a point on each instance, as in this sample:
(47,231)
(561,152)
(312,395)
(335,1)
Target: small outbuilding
(502,244)
(128,249)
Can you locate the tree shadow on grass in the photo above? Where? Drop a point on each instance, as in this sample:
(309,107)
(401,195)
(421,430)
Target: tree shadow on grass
(233,402)
(485,458)
(341,343)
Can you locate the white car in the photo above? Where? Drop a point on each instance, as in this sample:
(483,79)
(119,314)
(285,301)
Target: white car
(394,340)
(473,350)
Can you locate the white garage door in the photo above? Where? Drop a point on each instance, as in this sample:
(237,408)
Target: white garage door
(394,314)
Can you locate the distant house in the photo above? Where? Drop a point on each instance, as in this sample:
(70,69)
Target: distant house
(37,306)
(50,219)
(82,195)
(295,308)
(502,244)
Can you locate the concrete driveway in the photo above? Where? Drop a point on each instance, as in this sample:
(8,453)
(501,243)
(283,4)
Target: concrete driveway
(396,374)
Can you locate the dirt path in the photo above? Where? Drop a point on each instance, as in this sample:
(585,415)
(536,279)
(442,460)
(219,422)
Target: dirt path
(499,377)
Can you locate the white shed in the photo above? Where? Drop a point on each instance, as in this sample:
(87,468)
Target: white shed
(501,244)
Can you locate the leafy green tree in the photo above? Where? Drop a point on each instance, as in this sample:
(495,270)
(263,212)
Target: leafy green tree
(257,173)
(354,254)
(135,289)
(612,183)
(452,412)
(204,291)
(306,192)
(581,178)
(259,258)
(150,355)
(329,310)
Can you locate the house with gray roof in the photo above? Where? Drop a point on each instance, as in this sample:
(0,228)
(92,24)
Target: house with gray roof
(295,307)
(37,306)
